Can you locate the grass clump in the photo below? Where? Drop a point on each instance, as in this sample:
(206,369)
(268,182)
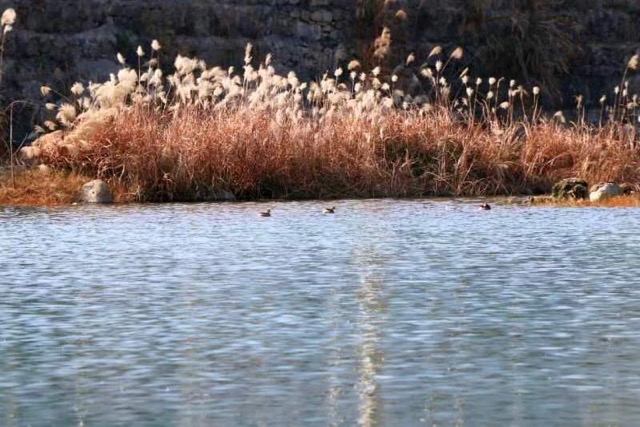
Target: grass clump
(36,187)
(353,133)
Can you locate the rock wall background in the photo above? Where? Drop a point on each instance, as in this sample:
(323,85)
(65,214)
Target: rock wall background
(80,38)
(576,46)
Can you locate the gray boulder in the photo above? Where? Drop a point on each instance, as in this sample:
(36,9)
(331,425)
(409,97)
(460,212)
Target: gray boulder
(96,191)
(571,188)
(604,191)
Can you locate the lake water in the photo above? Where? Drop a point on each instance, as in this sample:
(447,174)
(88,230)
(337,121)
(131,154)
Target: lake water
(390,313)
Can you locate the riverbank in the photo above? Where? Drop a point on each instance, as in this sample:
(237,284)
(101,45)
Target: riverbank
(207,134)
(197,155)
(45,187)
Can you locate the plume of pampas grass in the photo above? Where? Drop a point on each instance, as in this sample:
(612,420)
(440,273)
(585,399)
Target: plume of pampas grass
(8,17)
(50,125)
(382,44)
(7,21)
(401,15)
(77,89)
(410,59)
(354,65)
(66,114)
(437,50)
(247,54)
(457,53)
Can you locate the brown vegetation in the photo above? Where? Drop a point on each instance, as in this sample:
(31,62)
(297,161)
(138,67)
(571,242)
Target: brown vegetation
(37,188)
(192,154)
(627,201)
(202,131)
(43,187)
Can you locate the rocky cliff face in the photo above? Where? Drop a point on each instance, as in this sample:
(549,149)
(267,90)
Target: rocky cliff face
(584,45)
(58,41)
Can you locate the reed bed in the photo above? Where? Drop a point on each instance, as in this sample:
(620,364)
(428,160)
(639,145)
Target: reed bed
(204,130)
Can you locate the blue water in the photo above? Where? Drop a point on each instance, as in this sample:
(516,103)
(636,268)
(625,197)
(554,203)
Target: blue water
(390,312)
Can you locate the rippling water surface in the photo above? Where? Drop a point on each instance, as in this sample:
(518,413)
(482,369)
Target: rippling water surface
(389,312)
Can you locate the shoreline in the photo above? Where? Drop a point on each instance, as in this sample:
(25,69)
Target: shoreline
(48,188)
(210,134)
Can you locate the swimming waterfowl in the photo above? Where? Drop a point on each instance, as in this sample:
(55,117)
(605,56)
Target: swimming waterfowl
(266,213)
(329,210)
(485,207)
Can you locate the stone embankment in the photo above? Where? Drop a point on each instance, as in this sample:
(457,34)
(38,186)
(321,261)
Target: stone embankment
(60,41)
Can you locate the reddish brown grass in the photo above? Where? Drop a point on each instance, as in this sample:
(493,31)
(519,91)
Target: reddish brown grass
(35,188)
(629,201)
(191,154)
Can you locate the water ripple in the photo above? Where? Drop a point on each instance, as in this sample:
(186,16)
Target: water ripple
(390,312)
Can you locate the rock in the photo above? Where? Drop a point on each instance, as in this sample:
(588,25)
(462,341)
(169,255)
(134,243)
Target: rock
(627,189)
(571,188)
(96,191)
(322,15)
(604,191)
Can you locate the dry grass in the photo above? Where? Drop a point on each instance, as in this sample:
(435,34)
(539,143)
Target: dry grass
(620,202)
(201,131)
(36,188)
(193,155)
(630,201)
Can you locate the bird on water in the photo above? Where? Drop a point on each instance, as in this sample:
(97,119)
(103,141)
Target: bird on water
(329,210)
(266,213)
(485,207)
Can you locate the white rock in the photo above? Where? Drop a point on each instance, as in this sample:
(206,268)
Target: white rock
(96,191)
(605,191)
